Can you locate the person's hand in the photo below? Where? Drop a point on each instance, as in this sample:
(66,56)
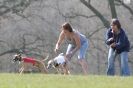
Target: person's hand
(110,39)
(55,50)
(69,55)
(113,45)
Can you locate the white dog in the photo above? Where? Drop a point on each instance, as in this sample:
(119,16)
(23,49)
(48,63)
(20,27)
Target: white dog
(59,63)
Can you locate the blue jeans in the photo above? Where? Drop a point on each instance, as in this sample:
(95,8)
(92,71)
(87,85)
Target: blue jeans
(123,63)
(82,50)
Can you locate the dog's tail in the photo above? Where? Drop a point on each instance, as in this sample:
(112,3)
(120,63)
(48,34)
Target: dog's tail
(46,58)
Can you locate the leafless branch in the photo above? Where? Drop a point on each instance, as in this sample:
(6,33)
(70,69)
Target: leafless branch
(124,5)
(97,13)
(91,34)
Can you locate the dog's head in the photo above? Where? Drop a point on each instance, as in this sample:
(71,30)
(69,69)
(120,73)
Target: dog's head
(17,57)
(50,64)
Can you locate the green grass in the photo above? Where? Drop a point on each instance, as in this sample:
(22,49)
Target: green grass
(60,81)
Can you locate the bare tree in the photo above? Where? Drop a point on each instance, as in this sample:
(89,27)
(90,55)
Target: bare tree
(112,7)
(96,12)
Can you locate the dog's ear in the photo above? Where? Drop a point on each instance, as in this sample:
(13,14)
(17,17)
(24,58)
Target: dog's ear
(50,64)
(19,55)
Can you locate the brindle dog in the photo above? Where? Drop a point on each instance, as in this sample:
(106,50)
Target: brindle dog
(27,62)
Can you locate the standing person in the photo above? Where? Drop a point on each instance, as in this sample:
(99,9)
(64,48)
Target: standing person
(118,43)
(76,41)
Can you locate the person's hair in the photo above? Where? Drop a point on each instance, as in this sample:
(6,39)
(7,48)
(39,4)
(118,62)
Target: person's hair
(67,26)
(116,22)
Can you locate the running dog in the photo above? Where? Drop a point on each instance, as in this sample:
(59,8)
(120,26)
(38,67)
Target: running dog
(27,62)
(59,63)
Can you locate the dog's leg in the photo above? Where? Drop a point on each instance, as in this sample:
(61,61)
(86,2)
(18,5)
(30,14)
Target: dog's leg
(41,67)
(21,70)
(61,69)
(58,70)
(66,70)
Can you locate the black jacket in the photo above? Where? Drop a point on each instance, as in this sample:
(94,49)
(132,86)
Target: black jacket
(121,40)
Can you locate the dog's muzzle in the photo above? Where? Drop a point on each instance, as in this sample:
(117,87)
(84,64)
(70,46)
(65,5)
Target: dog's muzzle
(49,66)
(15,60)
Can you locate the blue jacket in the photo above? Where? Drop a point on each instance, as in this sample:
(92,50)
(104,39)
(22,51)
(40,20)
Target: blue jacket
(121,40)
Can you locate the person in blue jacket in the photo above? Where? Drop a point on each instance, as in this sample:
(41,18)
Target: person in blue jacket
(119,44)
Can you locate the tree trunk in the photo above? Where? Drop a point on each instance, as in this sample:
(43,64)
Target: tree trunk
(112,8)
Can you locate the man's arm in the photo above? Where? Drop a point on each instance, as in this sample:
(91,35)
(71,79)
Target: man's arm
(60,39)
(109,39)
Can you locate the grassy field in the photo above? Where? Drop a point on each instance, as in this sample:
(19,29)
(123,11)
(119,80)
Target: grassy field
(59,81)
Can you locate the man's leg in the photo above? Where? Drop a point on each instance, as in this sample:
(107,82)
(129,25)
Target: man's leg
(124,64)
(84,66)
(82,59)
(111,59)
